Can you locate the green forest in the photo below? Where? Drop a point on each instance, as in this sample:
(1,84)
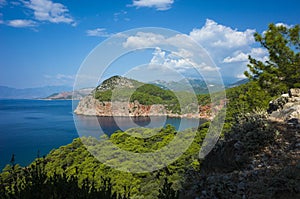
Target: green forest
(72,172)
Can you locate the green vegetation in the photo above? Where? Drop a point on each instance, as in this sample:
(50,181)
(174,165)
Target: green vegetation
(72,170)
(148,94)
(251,155)
(73,167)
(33,182)
(282,70)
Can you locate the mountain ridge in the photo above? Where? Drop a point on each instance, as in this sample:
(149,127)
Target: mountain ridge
(30,93)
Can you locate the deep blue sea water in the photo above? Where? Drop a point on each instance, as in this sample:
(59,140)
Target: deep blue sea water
(29,127)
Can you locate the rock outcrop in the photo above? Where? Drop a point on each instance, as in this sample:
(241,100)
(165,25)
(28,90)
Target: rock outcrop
(93,107)
(287,107)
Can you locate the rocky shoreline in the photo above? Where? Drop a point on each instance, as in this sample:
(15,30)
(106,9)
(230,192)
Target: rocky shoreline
(92,107)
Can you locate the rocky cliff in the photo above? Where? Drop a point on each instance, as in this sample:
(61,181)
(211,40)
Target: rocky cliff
(91,106)
(149,100)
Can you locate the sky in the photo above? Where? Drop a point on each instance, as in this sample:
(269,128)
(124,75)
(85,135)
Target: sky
(44,42)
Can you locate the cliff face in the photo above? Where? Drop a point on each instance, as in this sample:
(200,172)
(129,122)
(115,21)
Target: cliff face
(91,106)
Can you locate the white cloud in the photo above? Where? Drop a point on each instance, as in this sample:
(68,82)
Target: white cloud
(228,48)
(187,55)
(184,53)
(144,39)
(238,57)
(98,32)
(165,60)
(46,10)
(157,4)
(257,53)
(283,24)
(21,23)
(216,35)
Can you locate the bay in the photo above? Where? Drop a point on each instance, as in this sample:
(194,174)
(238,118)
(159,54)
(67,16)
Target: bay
(29,128)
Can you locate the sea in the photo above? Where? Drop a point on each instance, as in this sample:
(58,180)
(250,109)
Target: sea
(32,128)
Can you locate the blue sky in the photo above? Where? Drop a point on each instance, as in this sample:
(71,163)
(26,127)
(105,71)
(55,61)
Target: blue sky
(44,42)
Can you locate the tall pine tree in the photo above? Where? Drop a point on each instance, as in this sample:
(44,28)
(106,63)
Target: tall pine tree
(282,70)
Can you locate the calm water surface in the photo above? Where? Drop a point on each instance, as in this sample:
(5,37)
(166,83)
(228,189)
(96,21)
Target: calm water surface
(29,127)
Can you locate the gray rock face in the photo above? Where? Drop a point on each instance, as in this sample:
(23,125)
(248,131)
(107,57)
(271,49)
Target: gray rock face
(294,92)
(286,108)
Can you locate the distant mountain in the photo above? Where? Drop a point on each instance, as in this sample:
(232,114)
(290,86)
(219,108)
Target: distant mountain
(191,85)
(31,93)
(240,82)
(77,95)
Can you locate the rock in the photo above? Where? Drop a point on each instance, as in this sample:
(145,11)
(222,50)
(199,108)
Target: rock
(286,108)
(90,106)
(294,92)
(277,104)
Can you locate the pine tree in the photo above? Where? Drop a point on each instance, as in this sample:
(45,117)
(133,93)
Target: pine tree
(282,70)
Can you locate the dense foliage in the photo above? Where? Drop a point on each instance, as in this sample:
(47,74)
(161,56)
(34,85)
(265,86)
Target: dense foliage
(282,69)
(72,166)
(245,98)
(33,182)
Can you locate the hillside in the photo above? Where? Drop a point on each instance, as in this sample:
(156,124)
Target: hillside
(120,96)
(259,159)
(73,166)
(75,95)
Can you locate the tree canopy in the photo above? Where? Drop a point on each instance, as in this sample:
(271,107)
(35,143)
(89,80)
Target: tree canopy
(282,69)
